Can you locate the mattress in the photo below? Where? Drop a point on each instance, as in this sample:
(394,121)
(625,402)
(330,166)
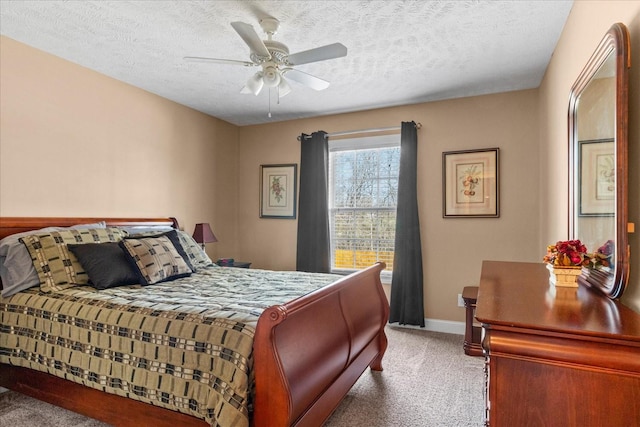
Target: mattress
(185,345)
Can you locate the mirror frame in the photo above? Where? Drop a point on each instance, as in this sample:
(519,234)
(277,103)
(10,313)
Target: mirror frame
(615,42)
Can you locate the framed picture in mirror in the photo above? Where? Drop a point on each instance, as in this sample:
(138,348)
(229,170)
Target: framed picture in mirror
(597,177)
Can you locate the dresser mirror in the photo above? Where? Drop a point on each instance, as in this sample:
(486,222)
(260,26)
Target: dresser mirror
(598,122)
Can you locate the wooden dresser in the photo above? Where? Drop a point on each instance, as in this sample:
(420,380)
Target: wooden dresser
(556,356)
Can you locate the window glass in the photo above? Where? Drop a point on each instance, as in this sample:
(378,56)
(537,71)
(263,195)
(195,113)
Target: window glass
(363,194)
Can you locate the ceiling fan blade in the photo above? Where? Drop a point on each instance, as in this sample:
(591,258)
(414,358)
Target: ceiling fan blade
(306,79)
(218,61)
(330,51)
(251,38)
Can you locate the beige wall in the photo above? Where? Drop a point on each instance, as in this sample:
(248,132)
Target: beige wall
(587,24)
(74,142)
(453,249)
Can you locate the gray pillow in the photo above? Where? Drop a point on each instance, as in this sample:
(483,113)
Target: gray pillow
(142,229)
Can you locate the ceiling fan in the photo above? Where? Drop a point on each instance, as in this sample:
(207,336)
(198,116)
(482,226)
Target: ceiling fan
(274,59)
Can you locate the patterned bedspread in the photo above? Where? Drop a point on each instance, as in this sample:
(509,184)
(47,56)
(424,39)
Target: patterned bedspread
(185,345)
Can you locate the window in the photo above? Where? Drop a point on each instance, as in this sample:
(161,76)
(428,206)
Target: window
(363,194)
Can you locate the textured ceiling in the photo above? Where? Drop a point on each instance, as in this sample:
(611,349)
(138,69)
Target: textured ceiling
(399,52)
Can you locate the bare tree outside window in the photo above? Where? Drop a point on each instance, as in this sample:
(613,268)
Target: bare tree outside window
(362,206)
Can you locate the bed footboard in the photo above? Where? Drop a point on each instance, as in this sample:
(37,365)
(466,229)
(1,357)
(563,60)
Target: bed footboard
(309,352)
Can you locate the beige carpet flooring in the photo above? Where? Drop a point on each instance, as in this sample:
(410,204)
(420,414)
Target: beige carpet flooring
(427,381)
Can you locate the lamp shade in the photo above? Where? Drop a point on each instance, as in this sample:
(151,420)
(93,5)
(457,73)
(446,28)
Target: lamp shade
(283,88)
(254,84)
(203,234)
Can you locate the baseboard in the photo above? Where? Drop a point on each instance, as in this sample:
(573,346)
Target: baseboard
(437,325)
(446,326)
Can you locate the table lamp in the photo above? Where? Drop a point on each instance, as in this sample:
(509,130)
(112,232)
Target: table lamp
(203,234)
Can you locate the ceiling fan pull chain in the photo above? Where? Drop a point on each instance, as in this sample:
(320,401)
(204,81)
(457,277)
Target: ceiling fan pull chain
(269,102)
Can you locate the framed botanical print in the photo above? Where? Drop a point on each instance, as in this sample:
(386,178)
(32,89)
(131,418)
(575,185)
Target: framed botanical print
(278,191)
(597,177)
(471,183)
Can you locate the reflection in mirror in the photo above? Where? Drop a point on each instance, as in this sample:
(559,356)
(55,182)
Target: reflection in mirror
(598,160)
(596,127)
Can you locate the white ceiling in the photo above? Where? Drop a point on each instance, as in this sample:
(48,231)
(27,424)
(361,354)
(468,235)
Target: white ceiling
(399,52)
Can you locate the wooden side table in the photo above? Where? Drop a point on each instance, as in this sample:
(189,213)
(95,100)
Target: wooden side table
(239,264)
(472,334)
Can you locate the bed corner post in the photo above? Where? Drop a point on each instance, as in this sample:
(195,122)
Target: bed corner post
(376,363)
(272,406)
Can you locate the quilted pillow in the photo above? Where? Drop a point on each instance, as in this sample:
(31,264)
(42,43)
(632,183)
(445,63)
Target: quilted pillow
(16,266)
(106,264)
(56,266)
(173,236)
(156,259)
(193,251)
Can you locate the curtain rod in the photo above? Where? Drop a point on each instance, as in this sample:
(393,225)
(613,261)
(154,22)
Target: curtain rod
(374,130)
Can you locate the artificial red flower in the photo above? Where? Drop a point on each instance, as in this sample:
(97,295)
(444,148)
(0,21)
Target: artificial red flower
(567,253)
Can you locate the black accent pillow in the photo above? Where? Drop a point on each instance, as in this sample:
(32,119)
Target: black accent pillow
(106,264)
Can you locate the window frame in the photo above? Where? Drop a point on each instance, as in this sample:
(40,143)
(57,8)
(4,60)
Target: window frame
(351,144)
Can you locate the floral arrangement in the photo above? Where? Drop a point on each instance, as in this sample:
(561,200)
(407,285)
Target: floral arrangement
(277,189)
(602,257)
(568,253)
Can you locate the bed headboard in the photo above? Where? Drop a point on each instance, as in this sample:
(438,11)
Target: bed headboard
(12,225)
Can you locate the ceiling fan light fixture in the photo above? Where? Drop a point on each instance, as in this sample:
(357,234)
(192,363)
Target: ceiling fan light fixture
(283,88)
(271,76)
(254,84)
(274,61)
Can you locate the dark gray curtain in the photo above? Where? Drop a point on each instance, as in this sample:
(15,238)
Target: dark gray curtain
(313,253)
(407,305)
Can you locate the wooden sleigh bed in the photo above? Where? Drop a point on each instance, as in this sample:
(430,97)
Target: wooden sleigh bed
(307,353)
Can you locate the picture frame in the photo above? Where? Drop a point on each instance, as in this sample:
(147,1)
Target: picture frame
(471,181)
(278,191)
(596,177)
